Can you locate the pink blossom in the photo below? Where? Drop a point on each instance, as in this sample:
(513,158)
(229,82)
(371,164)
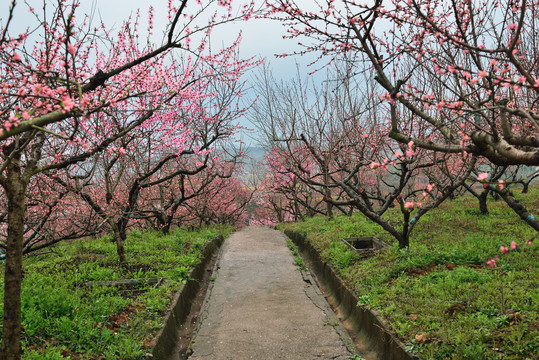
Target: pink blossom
(483,73)
(512,26)
(491,263)
(504,249)
(501,184)
(408,205)
(513,245)
(71,49)
(16,57)
(67,103)
(374,165)
(482,176)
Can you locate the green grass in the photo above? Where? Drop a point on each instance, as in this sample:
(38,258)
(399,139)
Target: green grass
(62,318)
(298,260)
(440,286)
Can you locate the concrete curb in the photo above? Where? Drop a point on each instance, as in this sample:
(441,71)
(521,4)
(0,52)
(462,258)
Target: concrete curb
(363,320)
(166,339)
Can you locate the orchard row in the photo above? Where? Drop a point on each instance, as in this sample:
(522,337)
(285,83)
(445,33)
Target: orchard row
(424,100)
(103,131)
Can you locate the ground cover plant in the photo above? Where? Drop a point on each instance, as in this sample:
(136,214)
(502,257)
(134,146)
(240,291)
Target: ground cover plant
(439,296)
(63,317)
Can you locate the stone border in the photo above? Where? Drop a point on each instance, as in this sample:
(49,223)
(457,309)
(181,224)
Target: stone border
(166,340)
(364,321)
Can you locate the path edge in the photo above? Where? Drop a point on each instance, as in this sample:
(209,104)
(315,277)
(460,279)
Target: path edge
(166,339)
(363,320)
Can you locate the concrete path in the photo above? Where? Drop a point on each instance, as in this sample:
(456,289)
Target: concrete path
(260,306)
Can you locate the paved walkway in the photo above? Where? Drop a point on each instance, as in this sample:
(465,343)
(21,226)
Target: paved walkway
(260,306)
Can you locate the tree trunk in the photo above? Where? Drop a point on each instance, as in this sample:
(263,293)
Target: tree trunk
(165,229)
(166,222)
(328,203)
(327,190)
(119,242)
(404,242)
(15,191)
(404,239)
(483,202)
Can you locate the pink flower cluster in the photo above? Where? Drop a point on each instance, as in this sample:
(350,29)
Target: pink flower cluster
(505,250)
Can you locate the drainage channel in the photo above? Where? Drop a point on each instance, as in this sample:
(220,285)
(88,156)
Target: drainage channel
(251,306)
(175,334)
(368,331)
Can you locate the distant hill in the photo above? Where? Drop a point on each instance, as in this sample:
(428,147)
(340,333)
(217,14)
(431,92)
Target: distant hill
(256,153)
(256,156)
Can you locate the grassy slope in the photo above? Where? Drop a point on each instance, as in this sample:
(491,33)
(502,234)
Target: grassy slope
(439,287)
(62,318)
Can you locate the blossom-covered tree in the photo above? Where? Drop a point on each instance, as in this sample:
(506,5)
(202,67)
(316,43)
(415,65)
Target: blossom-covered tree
(334,140)
(223,202)
(53,214)
(177,141)
(466,70)
(455,77)
(60,83)
(283,192)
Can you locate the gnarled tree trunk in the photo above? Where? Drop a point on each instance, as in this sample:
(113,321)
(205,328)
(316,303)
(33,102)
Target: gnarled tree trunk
(15,188)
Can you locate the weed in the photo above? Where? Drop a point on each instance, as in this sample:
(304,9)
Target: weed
(355,357)
(331,322)
(363,300)
(298,260)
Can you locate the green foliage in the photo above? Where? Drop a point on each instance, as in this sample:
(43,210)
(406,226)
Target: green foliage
(62,317)
(356,357)
(298,261)
(363,300)
(341,254)
(440,286)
